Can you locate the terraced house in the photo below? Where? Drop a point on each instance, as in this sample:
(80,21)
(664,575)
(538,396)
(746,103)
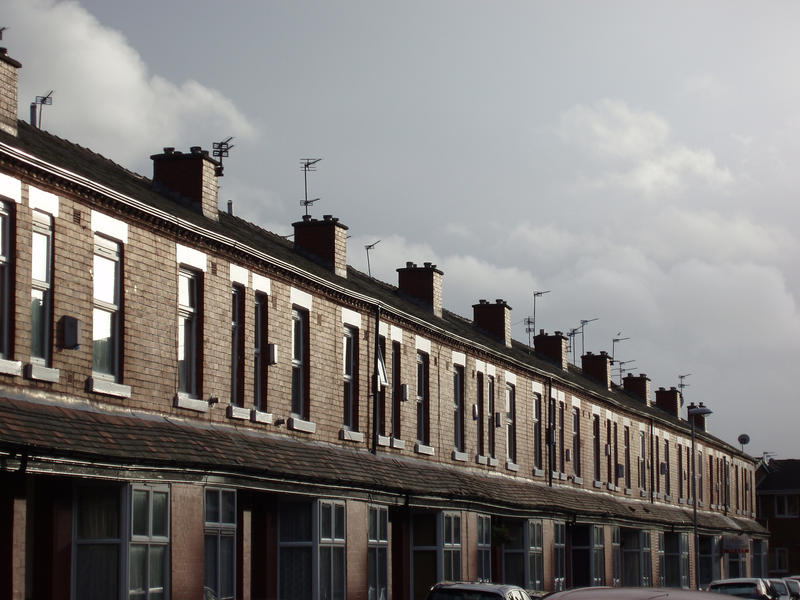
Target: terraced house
(192,405)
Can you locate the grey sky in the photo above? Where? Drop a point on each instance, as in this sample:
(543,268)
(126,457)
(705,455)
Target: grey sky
(637,159)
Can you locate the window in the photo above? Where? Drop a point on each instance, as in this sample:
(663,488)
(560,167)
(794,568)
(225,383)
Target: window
(295,547)
(637,561)
(616,555)
(261,354)
(642,461)
(561,468)
(458,408)
(667,470)
(780,560)
(380,417)
(656,469)
(627,443)
(220,543)
(41,289)
(237,345)
(511,427)
(484,548)
(98,550)
(491,423)
(350,378)
(378,557)
(189,333)
(332,562)
(785,506)
(598,556)
(6,281)
(423,424)
(596,445)
(699,467)
(560,556)
(759,558)
(452,547)
(106,321)
(576,441)
(481,413)
(681,494)
(675,563)
(299,363)
(397,390)
(535,555)
(148,562)
(537,431)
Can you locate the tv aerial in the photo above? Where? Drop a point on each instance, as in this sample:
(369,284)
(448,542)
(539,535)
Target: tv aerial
(37,106)
(220,150)
(308,164)
(369,247)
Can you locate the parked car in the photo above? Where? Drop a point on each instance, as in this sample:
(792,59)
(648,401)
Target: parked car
(630,593)
(781,588)
(476,591)
(744,587)
(794,587)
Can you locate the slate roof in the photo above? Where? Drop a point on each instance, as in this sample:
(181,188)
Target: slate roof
(97,168)
(86,434)
(781,476)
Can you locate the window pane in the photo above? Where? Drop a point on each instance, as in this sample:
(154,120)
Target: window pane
(97,571)
(158,566)
(325,521)
(212,506)
(105,279)
(186,290)
(160,510)
(98,513)
(210,579)
(295,522)
(383,518)
(295,573)
(38,323)
(103,343)
(338,573)
(41,257)
(228,507)
(140,510)
(138,568)
(226,565)
(339,522)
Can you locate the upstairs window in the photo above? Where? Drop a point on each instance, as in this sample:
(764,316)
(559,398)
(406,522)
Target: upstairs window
(189,316)
(481,413)
(237,345)
(537,431)
(642,461)
(6,280)
(397,390)
(41,289)
(596,446)
(261,355)
(491,423)
(576,441)
(458,408)
(423,400)
(350,378)
(300,363)
(786,506)
(511,426)
(107,311)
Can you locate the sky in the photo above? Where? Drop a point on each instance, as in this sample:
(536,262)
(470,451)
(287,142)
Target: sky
(633,159)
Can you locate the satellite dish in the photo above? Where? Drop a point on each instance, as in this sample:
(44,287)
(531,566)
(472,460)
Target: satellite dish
(744,439)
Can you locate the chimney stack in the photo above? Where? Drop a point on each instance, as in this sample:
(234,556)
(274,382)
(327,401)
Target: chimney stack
(422,283)
(494,319)
(191,177)
(9,86)
(670,401)
(598,367)
(326,240)
(553,347)
(638,387)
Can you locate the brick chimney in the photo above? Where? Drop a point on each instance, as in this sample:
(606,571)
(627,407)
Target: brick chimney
(494,319)
(9,85)
(699,422)
(597,367)
(670,401)
(553,347)
(326,240)
(422,283)
(191,178)
(638,386)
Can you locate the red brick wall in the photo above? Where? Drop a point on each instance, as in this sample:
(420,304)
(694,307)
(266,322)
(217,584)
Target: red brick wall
(187,543)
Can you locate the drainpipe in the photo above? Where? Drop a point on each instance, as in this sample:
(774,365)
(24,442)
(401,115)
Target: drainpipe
(376,382)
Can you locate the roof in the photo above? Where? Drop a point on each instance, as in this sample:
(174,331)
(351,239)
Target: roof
(50,435)
(81,161)
(780,476)
(632,593)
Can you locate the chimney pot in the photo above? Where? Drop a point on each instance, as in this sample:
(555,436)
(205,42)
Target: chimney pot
(409,265)
(327,217)
(195,150)
(169,150)
(642,375)
(230,207)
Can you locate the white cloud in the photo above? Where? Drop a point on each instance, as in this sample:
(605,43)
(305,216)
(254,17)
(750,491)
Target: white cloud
(105,98)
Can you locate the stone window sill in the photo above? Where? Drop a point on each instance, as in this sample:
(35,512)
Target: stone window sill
(237,412)
(538,472)
(578,480)
(109,388)
(598,484)
(42,373)
(481,460)
(351,436)
(384,440)
(257,416)
(190,403)
(492,462)
(398,443)
(420,448)
(512,466)
(298,424)
(10,367)
(460,456)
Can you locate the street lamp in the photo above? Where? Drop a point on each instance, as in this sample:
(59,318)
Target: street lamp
(692,410)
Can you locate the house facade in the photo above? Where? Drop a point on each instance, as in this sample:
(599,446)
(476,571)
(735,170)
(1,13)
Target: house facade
(778,509)
(190,404)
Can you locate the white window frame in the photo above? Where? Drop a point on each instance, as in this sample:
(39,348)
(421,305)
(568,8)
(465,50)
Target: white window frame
(422,400)
(6,283)
(42,225)
(221,528)
(535,576)
(238,300)
(484,548)
(334,542)
(511,425)
(459,437)
(150,539)
(451,546)
(299,341)
(349,378)
(559,556)
(378,553)
(109,250)
(189,315)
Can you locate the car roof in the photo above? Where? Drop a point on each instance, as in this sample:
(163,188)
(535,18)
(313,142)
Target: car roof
(476,586)
(737,580)
(632,593)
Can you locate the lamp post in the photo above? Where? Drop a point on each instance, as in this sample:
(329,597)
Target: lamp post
(692,410)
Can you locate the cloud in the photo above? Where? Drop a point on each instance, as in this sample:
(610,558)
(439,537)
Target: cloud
(634,150)
(105,97)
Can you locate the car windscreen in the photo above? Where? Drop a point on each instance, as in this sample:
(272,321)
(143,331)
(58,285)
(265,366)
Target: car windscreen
(793,585)
(779,586)
(462,595)
(744,589)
